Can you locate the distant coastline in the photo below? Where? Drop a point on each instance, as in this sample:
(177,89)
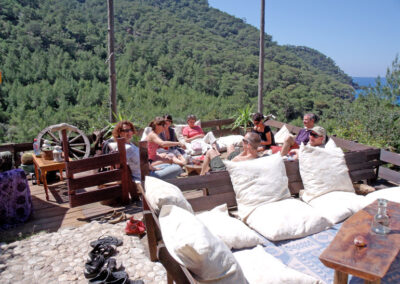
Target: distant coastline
(367,81)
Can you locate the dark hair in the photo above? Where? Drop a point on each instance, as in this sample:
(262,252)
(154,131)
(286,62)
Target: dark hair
(191,116)
(168,117)
(117,129)
(312,116)
(258,116)
(157,121)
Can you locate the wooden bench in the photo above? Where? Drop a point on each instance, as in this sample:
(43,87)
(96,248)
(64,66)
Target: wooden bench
(83,174)
(217,189)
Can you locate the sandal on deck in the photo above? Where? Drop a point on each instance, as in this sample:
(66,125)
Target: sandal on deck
(105,250)
(135,227)
(107,240)
(120,216)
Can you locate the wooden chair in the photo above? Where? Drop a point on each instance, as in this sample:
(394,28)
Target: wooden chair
(116,182)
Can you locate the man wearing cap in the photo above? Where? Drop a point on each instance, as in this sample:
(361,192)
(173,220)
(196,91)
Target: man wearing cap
(317,139)
(302,137)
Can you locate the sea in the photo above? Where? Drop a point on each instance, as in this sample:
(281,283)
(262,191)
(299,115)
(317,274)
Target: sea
(368,82)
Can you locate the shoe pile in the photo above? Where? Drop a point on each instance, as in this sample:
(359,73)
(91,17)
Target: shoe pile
(135,227)
(100,266)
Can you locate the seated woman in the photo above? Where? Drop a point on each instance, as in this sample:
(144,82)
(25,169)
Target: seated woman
(213,161)
(194,133)
(266,135)
(169,135)
(126,129)
(155,142)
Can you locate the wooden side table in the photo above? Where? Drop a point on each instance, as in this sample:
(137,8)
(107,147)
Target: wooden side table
(372,261)
(46,166)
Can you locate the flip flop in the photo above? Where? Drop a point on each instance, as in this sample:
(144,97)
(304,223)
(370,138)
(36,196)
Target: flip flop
(106,240)
(135,227)
(100,249)
(120,216)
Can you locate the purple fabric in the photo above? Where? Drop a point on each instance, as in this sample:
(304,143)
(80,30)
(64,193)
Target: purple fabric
(303,136)
(15,198)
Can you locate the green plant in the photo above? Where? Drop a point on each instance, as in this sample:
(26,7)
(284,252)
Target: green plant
(243,118)
(111,126)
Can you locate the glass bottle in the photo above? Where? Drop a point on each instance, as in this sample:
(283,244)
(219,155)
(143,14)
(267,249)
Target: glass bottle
(380,223)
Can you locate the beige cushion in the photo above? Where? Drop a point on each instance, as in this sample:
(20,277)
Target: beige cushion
(390,193)
(191,244)
(258,182)
(281,135)
(338,205)
(160,193)
(287,219)
(233,232)
(146,132)
(323,170)
(224,142)
(179,127)
(260,267)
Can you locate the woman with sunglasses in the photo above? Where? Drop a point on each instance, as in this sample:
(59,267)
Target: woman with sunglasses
(265,133)
(154,142)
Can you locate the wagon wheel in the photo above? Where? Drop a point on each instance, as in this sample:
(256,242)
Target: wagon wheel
(79,144)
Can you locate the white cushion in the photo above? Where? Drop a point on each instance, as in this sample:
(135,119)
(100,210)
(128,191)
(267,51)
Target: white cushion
(191,244)
(160,193)
(179,127)
(338,205)
(258,182)
(260,267)
(287,219)
(390,193)
(323,170)
(224,142)
(281,135)
(234,233)
(146,132)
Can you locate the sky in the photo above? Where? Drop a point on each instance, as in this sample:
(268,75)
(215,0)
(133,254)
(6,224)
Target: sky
(361,36)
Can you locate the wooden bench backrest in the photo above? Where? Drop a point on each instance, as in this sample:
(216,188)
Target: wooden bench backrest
(77,184)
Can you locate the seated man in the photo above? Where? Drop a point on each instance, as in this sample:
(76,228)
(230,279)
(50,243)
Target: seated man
(213,161)
(318,138)
(302,137)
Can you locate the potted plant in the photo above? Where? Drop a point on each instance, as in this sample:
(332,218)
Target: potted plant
(243,119)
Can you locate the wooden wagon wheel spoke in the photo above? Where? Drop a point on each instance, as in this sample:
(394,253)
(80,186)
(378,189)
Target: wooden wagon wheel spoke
(78,150)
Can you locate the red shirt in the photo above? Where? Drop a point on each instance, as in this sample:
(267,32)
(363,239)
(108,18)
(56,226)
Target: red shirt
(191,132)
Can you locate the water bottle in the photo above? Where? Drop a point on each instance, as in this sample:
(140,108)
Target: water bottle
(36,147)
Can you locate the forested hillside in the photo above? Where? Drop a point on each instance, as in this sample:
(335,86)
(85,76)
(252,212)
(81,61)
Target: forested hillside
(172,56)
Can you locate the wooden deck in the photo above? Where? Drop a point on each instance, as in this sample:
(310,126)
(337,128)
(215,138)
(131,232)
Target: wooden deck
(54,214)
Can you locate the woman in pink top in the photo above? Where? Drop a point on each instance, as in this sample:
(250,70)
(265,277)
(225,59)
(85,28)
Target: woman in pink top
(193,132)
(154,142)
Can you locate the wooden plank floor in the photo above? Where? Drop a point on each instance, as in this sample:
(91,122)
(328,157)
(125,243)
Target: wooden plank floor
(54,214)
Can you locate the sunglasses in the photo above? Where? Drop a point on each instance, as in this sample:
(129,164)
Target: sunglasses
(126,130)
(315,135)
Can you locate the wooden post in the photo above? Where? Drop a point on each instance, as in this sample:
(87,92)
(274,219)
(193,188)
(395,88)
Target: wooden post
(111,62)
(261,60)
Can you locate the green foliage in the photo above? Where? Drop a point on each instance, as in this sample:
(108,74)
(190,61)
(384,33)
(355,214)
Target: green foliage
(176,57)
(243,118)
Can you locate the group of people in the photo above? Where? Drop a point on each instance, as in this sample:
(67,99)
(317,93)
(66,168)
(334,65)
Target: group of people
(167,155)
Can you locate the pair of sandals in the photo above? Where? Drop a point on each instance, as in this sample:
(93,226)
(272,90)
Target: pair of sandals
(135,227)
(114,218)
(109,274)
(103,249)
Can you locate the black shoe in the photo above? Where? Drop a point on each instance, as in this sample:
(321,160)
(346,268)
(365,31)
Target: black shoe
(94,266)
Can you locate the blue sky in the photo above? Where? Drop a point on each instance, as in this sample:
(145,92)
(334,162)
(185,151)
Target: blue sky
(361,36)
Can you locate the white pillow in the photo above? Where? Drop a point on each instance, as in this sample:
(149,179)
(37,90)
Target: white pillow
(390,193)
(179,127)
(338,205)
(191,244)
(258,182)
(225,141)
(234,233)
(323,170)
(260,267)
(146,132)
(281,135)
(287,219)
(160,193)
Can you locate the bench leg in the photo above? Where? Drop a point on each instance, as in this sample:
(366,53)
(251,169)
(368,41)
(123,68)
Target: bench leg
(340,277)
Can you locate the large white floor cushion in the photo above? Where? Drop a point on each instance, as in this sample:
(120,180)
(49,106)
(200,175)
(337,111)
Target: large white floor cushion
(191,244)
(338,205)
(160,193)
(281,135)
(287,219)
(258,182)
(390,193)
(225,141)
(323,170)
(233,232)
(259,267)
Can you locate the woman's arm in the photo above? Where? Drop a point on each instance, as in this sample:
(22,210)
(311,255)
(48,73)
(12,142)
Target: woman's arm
(153,137)
(188,140)
(269,139)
